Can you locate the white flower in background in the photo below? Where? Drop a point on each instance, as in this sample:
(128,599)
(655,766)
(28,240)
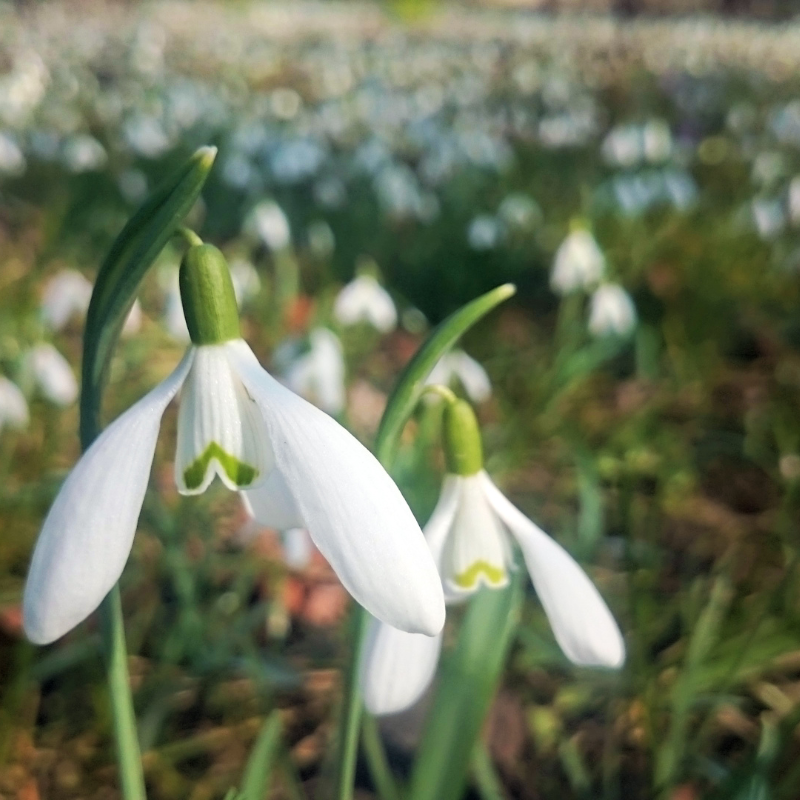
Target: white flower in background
(66,295)
(768,216)
(611,311)
(483,232)
(471,534)
(12,161)
(13,406)
(298,549)
(321,239)
(794,200)
(318,373)
(52,374)
(365,300)
(457,365)
(83,153)
(237,422)
(268,222)
(519,212)
(579,263)
(246,283)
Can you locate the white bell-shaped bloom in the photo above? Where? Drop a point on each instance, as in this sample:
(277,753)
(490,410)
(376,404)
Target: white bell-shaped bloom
(13,406)
(246,283)
(457,365)
(66,295)
(269,224)
(611,311)
(365,300)
(237,422)
(578,264)
(470,534)
(319,373)
(52,374)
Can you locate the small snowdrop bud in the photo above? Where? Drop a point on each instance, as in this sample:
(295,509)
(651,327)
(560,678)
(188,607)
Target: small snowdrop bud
(209,301)
(462,439)
(612,311)
(579,263)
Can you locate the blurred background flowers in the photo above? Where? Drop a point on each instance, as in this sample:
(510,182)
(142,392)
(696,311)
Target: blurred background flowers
(638,178)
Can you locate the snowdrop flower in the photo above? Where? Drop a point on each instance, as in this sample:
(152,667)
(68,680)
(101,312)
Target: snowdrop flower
(365,300)
(471,534)
(578,264)
(268,222)
(611,311)
(246,283)
(66,294)
(52,374)
(236,422)
(13,406)
(318,373)
(457,365)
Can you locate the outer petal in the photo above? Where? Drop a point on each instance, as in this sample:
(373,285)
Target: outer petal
(581,621)
(396,668)
(440,523)
(473,377)
(87,536)
(351,507)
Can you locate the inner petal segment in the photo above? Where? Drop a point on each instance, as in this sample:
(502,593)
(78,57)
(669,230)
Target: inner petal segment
(476,552)
(220,428)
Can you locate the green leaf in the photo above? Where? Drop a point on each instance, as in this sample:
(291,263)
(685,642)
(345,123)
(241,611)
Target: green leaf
(467,684)
(255,781)
(120,275)
(408,390)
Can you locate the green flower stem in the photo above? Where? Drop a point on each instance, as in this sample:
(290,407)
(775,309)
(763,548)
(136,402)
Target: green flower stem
(406,394)
(129,758)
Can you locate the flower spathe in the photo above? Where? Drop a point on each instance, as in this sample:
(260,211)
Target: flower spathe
(470,534)
(237,422)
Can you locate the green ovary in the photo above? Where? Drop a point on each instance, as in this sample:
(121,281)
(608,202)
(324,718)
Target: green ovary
(239,473)
(468,579)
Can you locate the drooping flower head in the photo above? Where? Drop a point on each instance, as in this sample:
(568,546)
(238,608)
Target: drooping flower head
(611,311)
(13,406)
(471,534)
(578,264)
(365,300)
(238,423)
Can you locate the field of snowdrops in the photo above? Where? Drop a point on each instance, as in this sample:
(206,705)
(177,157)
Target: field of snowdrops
(638,398)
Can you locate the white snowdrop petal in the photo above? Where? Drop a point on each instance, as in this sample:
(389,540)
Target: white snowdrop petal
(611,311)
(66,294)
(13,406)
(319,374)
(220,428)
(473,377)
(396,667)
(439,525)
(475,552)
(53,375)
(271,504)
(579,263)
(88,533)
(297,548)
(581,621)
(133,322)
(365,300)
(351,507)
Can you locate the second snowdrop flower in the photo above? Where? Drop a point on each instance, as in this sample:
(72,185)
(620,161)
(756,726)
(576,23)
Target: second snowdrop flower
(471,535)
(457,365)
(236,422)
(13,406)
(611,311)
(579,263)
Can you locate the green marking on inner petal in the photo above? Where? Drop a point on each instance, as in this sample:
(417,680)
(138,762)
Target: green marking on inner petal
(239,473)
(468,579)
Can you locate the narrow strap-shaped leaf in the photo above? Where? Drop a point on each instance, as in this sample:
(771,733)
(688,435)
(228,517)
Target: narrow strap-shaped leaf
(467,684)
(257,773)
(120,275)
(408,389)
